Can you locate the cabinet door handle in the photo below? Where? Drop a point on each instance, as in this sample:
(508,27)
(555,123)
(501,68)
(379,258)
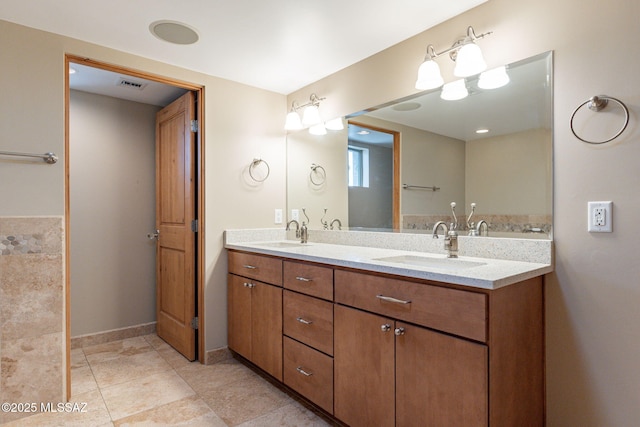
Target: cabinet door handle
(249,285)
(303,279)
(392,299)
(385,328)
(250,267)
(304,321)
(399,331)
(303,372)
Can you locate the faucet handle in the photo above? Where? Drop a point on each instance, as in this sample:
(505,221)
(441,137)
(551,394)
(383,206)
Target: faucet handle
(473,209)
(454,224)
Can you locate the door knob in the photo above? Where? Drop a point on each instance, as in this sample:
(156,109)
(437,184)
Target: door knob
(154,235)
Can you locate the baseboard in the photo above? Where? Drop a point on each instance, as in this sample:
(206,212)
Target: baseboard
(217,355)
(113,335)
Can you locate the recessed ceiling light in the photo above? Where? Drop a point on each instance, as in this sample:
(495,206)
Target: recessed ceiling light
(364,132)
(482,131)
(72,70)
(174,32)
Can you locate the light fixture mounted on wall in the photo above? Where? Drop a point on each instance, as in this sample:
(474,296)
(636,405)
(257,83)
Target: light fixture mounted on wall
(466,54)
(311,117)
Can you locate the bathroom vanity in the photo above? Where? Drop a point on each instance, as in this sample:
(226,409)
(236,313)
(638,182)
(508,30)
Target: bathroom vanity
(387,337)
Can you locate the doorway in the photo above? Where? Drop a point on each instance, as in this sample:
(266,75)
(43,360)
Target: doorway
(134,77)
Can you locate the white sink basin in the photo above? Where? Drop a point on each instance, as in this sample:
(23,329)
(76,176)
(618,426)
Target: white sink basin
(282,244)
(442,263)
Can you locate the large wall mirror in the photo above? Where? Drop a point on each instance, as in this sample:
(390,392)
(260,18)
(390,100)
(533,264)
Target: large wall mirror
(398,167)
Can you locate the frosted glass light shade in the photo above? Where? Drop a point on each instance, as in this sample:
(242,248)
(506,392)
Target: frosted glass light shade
(494,78)
(429,76)
(454,91)
(311,116)
(334,124)
(469,61)
(318,129)
(293,121)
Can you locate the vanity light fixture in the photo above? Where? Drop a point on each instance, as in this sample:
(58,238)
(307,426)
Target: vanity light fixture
(466,54)
(310,115)
(334,124)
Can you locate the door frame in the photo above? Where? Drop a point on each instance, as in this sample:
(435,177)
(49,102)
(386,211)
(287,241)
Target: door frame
(200,195)
(395,195)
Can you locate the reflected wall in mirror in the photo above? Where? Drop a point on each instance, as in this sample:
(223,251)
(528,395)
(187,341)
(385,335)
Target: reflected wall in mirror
(506,171)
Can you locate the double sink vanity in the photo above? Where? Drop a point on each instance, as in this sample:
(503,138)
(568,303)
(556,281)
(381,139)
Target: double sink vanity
(383,329)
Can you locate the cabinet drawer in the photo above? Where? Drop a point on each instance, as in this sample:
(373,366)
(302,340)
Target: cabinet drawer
(265,269)
(309,279)
(309,372)
(309,320)
(450,310)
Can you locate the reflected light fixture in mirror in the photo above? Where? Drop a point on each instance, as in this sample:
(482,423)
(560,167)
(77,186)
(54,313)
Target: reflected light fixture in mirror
(494,78)
(465,52)
(310,117)
(454,91)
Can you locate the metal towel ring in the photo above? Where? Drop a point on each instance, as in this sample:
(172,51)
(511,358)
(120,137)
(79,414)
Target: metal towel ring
(255,164)
(314,171)
(598,103)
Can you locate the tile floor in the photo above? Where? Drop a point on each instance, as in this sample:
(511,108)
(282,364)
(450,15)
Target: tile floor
(144,381)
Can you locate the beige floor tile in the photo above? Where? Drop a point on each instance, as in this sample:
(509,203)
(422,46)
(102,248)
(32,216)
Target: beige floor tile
(206,378)
(82,380)
(114,350)
(173,358)
(78,359)
(292,415)
(140,395)
(244,400)
(155,341)
(93,414)
(126,368)
(190,411)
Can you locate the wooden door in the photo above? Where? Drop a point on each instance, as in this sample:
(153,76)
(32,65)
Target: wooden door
(364,367)
(266,328)
(175,212)
(440,380)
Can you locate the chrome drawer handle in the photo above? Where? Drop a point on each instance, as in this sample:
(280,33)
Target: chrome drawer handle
(303,372)
(250,267)
(306,322)
(385,328)
(303,279)
(399,331)
(391,299)
(249,285)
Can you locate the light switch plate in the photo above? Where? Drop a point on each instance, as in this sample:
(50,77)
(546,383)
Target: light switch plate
(600,219)
(277,216)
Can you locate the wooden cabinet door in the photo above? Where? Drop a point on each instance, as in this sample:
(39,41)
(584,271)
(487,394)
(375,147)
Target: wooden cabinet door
(363,368)
(239,315)
(440,380)
(266,328)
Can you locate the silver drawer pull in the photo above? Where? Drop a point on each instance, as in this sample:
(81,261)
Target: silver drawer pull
(303,279)
(303,372)
(306,322)
(249,285)
(250,267)
(392,299)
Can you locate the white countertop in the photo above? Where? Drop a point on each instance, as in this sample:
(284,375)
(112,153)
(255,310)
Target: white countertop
(488,274)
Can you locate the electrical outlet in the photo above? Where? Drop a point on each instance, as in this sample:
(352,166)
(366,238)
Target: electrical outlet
(278,216)
(600,218)
(295,214)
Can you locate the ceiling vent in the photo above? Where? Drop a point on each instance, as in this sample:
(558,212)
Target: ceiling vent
(130,84)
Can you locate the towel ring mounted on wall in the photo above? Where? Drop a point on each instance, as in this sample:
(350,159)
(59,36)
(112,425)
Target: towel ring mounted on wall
(319,172)
(254,164)
(598,103)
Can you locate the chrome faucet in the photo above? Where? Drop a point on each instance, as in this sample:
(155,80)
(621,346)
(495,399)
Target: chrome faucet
(451,234)
(304,231)
(339,224)
(475,229)
(293,221)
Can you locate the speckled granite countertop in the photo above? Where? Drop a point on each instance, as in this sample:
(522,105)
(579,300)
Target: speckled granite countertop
(477,272)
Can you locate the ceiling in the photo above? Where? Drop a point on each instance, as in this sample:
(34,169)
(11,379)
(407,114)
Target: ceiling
(277,45)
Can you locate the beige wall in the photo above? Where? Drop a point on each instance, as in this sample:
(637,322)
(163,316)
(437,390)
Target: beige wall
(112,190)
(241,123)
(593,323)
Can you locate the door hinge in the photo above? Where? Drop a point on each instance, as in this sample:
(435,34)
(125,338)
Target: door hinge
(194,126)
(194,225)
(194,323)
